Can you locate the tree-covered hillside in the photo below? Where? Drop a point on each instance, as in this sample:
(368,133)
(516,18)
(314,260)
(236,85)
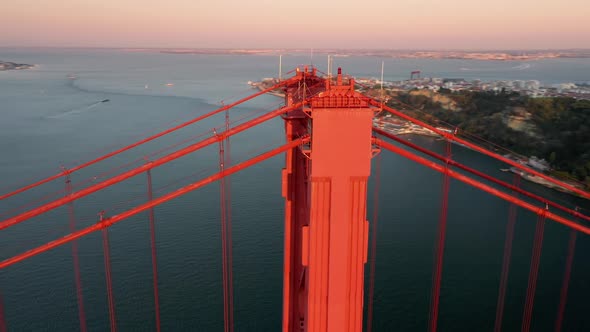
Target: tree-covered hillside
(557,129)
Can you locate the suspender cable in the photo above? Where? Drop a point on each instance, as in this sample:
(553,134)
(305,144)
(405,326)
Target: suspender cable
(153,249)
(440,246)
(2,319)
(107,269)
(506,260)
(227,323)
(533,274)
(571,248)
(76,259)
(228,219)
(373,253)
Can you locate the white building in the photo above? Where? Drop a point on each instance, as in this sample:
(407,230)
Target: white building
(540,164)
(532,85)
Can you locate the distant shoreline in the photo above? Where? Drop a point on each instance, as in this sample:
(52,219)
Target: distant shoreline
(451,54)
(506,55)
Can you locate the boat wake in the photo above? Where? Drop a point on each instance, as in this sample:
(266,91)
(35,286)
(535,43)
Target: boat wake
(523,66)
(78,110)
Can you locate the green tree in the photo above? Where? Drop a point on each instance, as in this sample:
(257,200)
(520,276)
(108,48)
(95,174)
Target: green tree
(552,157)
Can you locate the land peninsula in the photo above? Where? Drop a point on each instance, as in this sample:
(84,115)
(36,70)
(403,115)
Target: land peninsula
(5,65)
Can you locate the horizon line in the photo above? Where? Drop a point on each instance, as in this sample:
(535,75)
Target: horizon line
(300,49)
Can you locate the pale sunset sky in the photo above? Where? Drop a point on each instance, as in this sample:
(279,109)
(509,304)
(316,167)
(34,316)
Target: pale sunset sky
(387,24)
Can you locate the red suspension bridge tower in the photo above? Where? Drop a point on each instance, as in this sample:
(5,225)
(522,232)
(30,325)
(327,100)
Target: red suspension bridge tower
(325,187)
(330,142)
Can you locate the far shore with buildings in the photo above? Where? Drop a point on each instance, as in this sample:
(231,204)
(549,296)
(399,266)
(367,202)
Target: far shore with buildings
(495,55)
(531,88)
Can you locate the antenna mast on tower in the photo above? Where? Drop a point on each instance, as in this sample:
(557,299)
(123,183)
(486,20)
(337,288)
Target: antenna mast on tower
(329,66)
(382,67)
(280,66)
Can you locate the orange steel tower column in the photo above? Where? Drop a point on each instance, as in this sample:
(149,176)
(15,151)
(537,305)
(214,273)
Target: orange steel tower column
(296,193)
(336,240)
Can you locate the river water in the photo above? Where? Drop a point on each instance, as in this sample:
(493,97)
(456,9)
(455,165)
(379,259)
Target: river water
(53,115)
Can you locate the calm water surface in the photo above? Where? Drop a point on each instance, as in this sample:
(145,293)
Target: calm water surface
(48,119)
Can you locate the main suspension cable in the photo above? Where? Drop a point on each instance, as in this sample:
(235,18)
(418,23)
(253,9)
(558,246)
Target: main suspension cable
(158,162)
(479,149)
(482,175)
(157,201)
(148,139)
